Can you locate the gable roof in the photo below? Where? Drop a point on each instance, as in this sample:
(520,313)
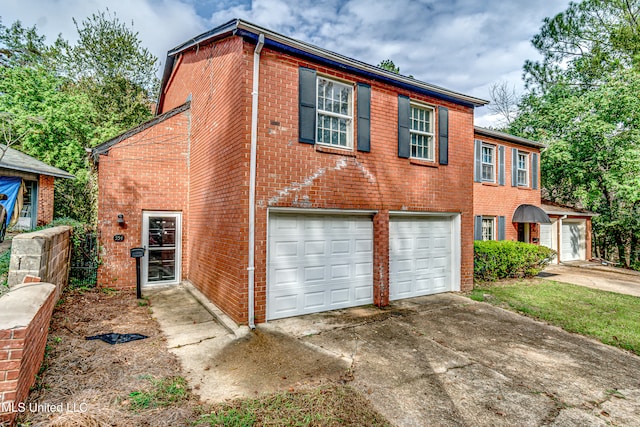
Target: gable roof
(507,137)
(553,208)
(105,146)
(19,161)
(273,40)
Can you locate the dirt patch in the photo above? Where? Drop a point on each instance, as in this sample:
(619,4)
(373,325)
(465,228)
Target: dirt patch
(266,361)
(91,380)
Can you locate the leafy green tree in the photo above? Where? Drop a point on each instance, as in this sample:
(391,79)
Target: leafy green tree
(588,41)
(111,66)
(388,65)
(583,103)
(62,98)
(20,46)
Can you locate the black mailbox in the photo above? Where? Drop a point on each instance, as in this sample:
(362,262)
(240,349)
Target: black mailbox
(137,252)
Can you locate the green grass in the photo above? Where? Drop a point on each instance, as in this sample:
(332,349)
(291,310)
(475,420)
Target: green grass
(325,406)
(163,392)
(609,317)
(5,259)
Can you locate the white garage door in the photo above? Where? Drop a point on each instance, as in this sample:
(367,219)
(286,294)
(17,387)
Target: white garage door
(545,235)
(573,241)
(420,256)
(318,263)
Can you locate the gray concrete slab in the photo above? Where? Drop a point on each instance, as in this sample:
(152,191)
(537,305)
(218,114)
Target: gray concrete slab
(595,276)
(440,360)
(447,360)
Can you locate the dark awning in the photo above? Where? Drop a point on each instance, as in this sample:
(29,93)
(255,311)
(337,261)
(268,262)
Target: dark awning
(530,213)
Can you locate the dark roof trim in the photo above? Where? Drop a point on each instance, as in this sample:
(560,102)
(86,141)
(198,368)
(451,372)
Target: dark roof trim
(531,214)
(18,161)
(105,146)
(38,172)
(308,51)
(508,137)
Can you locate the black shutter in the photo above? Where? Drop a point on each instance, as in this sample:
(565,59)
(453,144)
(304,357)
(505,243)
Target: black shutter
(514,167)
(477,164)
(534,171)
(307,105)
(501,165)
(364,117)
(501,228)
(477,229)
(404,137)
(443,135)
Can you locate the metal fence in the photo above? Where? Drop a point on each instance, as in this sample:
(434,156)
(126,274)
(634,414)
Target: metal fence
(84,262)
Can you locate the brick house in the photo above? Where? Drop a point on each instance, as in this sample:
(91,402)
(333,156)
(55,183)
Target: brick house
(507,201)
(282,179)
(30,182)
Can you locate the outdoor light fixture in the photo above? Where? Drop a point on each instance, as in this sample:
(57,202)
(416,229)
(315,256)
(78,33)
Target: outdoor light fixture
(120,219)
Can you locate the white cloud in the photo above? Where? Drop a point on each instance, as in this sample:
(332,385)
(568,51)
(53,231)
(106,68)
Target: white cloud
(463,45)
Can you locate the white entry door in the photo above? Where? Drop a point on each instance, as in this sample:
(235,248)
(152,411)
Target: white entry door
(318,263)
(162,240)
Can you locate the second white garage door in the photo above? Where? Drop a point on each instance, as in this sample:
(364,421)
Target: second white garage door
(318,263)
(421,256)
(573,242)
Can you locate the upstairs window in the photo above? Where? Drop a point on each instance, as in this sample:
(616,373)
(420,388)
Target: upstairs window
(335,113)
(488,163)
(421,130)
(523,169)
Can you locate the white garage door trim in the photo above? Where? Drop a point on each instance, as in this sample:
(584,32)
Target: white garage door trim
(419,263)
(318,260)
(573,240)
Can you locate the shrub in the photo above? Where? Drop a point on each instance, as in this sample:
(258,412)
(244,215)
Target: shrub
(494,260)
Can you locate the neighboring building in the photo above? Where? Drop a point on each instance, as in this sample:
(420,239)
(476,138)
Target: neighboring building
(569,233)
(283,179)
(28,183)
(507,201)
(506,189)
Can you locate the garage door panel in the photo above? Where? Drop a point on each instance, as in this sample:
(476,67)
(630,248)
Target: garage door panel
(314,274)
(331,268)
(340,247)
(340,296)
(420,256)
(314,248)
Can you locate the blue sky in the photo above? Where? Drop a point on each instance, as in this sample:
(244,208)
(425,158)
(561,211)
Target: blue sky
(462,45)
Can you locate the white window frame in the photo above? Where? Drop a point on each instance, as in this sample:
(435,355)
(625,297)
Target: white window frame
(486,235)
(429,134)
(492,163)
(321,113)
(525,181)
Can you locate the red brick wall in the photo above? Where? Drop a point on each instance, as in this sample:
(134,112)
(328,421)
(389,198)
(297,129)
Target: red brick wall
(45,199)
(302,175)
(219,79)
(491,199)
(148,171)
(21,354)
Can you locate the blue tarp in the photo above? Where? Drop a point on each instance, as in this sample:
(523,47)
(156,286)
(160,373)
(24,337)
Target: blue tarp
(10,185)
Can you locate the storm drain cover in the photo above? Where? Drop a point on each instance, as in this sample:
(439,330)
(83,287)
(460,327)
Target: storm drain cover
(114,338)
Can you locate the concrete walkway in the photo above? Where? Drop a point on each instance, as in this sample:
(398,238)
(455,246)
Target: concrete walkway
(595,276)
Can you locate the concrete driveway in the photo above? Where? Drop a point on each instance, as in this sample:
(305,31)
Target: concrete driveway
(596,276)
(441,360)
